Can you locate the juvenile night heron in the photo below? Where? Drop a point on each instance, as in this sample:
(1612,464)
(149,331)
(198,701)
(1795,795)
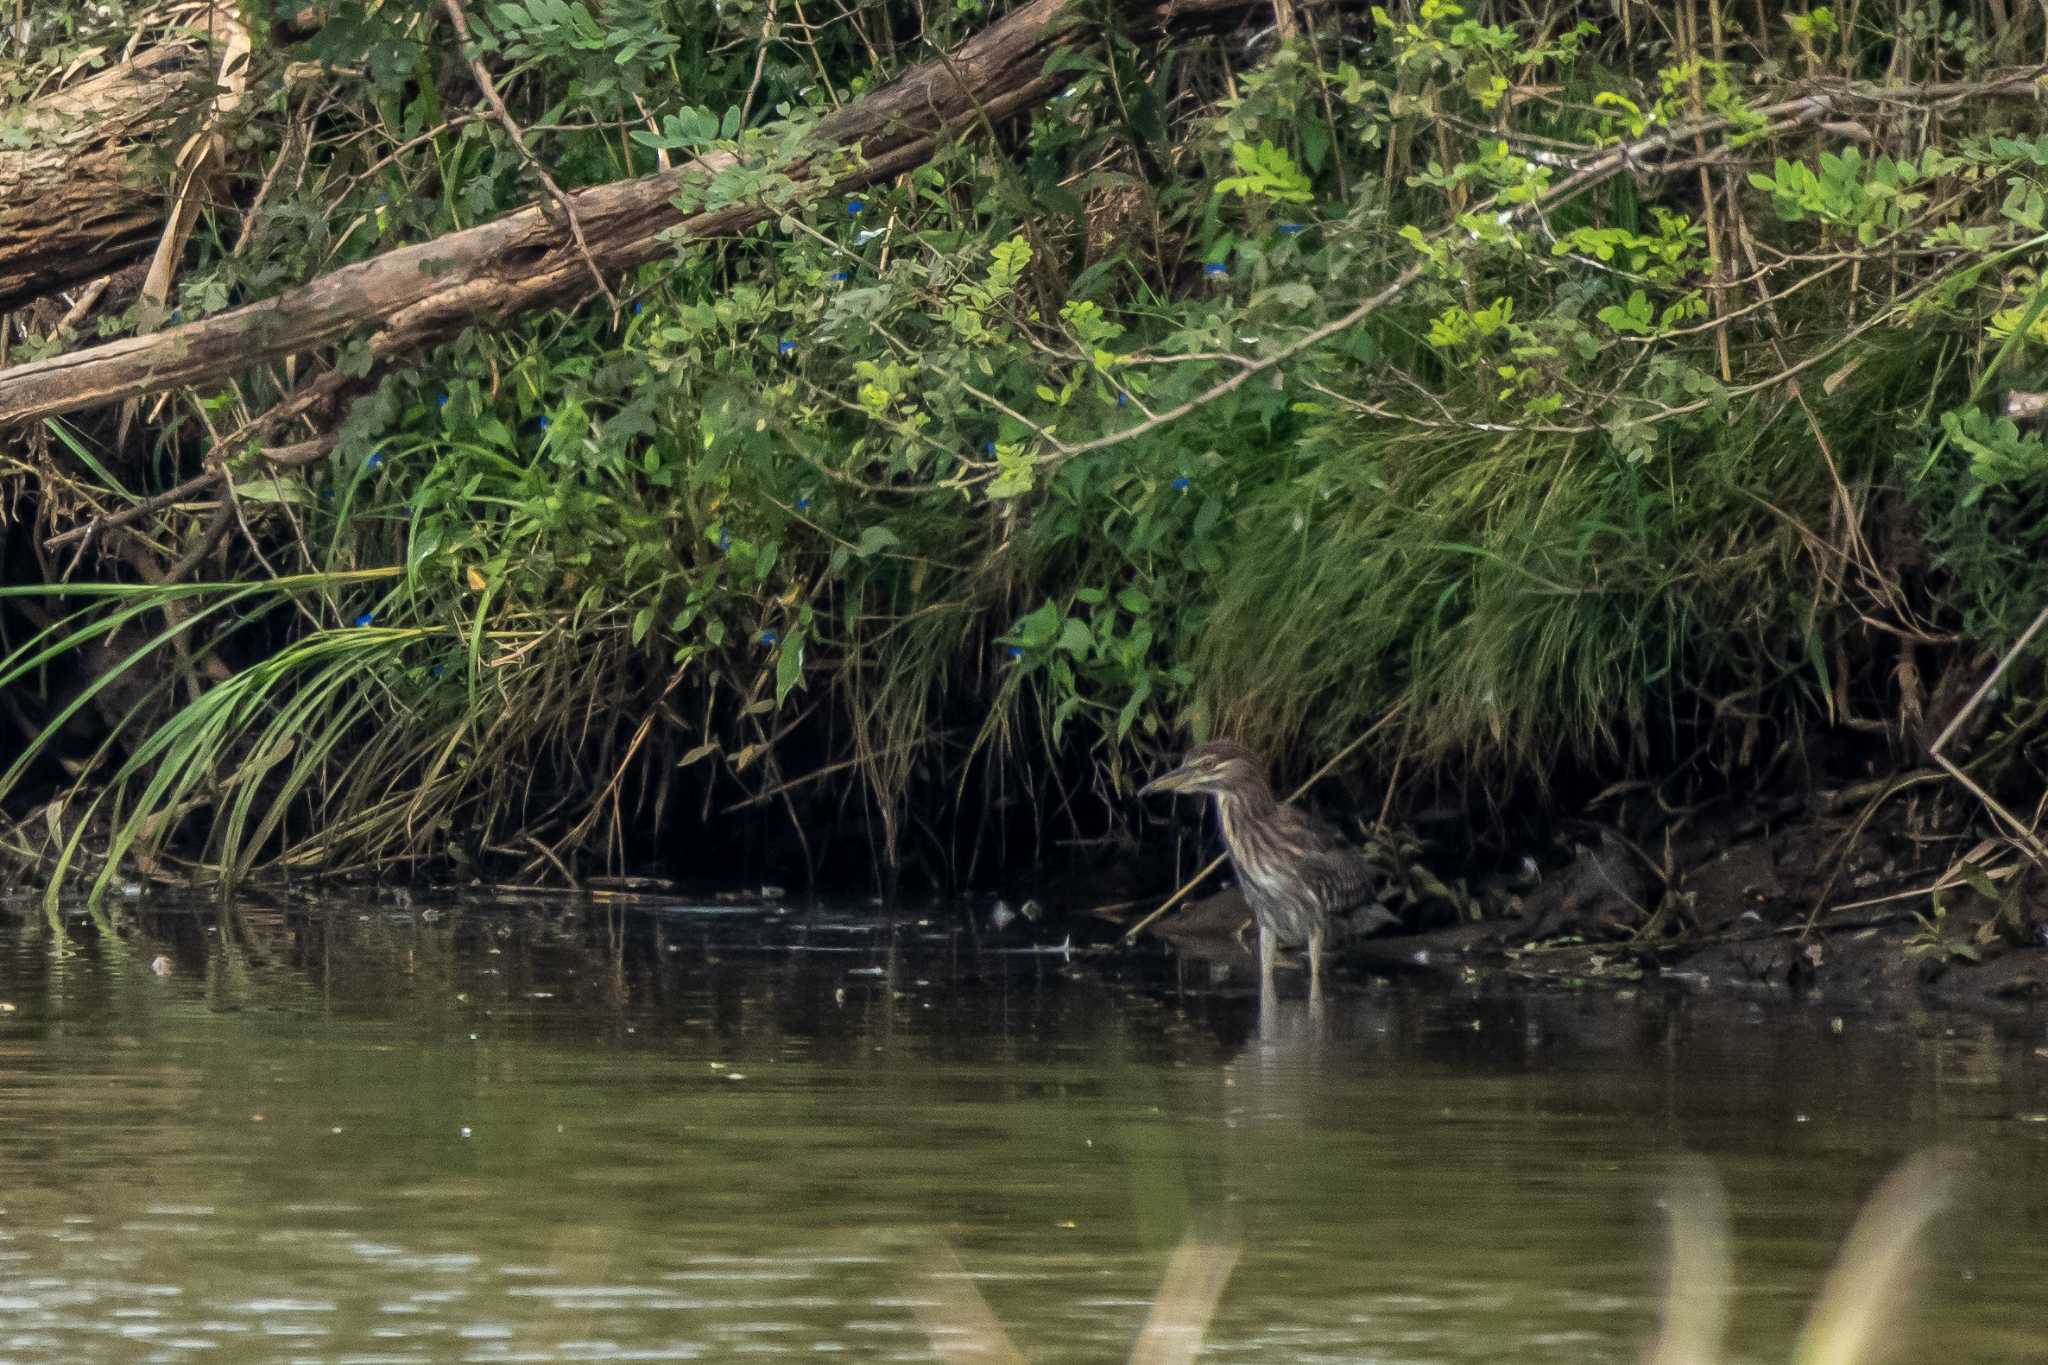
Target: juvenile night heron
(1296,870)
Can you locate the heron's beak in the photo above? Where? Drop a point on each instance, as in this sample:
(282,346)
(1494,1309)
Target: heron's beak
(1166,782)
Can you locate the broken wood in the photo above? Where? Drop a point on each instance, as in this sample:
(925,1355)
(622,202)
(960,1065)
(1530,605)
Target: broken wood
(75,204)
(417,295)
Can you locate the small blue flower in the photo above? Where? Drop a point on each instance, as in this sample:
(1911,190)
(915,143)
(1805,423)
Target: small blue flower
(840,277)
(436,671)
(1181,484)
(637,308)
(540,423)
(441,400)
(785,348)
(988,447)
(1217,269)
(803,504)
(366,618)
(175,315)
(327,495)
(1014,651)
(1123,400)
(725,540)
(376,460)
(769,637)
(854,206)
(1290,229)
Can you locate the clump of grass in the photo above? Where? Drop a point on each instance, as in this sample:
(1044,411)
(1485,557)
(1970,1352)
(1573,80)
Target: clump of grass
(1521,596)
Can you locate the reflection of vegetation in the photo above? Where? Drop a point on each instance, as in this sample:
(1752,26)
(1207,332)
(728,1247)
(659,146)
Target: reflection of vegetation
(1858,1307)
(962,1328)
(1453,1174)
(1051,444)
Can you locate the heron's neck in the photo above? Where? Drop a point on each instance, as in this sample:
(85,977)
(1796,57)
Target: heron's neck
(1248,802)
(1240,813)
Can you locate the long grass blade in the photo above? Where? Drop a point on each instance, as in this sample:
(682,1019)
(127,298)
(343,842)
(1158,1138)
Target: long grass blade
(1695,1314)
(1858,1306)
(1187,1298)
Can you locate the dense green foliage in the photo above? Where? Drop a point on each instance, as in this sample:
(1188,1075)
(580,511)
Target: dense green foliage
(1039,456)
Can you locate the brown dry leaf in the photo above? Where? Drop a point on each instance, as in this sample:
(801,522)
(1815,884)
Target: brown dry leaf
(1840,377)
(477,581)
(200,148)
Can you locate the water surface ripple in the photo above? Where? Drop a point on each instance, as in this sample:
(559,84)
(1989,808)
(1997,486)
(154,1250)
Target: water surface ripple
(564,1131)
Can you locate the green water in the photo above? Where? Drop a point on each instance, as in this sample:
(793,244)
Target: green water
(361,1133)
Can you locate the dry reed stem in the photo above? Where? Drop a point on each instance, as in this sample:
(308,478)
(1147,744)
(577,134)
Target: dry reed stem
(2022,834)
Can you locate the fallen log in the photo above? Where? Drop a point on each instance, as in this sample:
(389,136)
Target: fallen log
(74,204)
(414,296)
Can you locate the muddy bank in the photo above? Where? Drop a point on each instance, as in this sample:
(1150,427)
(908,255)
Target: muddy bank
(1828,902)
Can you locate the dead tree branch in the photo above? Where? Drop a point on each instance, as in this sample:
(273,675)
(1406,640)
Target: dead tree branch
(414,296)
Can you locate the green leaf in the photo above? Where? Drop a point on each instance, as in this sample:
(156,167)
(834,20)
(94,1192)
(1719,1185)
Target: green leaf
(272,489)
(874,540)
(1076,639)
(1634,316)
(789,665)
(1014,469)
(1268,170)
(1035,629)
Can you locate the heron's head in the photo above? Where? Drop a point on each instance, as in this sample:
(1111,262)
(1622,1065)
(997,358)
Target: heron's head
(1221,767)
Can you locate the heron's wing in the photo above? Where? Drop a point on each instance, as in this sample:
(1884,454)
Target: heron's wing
(1332,869)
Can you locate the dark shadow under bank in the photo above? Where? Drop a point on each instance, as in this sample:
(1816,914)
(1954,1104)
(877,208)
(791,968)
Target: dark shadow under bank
(1722,905)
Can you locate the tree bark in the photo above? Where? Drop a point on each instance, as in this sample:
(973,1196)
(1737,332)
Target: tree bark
(414,296)
(75,204)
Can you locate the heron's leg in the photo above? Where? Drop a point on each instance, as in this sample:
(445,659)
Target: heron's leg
(1315,966)
(1269,950)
